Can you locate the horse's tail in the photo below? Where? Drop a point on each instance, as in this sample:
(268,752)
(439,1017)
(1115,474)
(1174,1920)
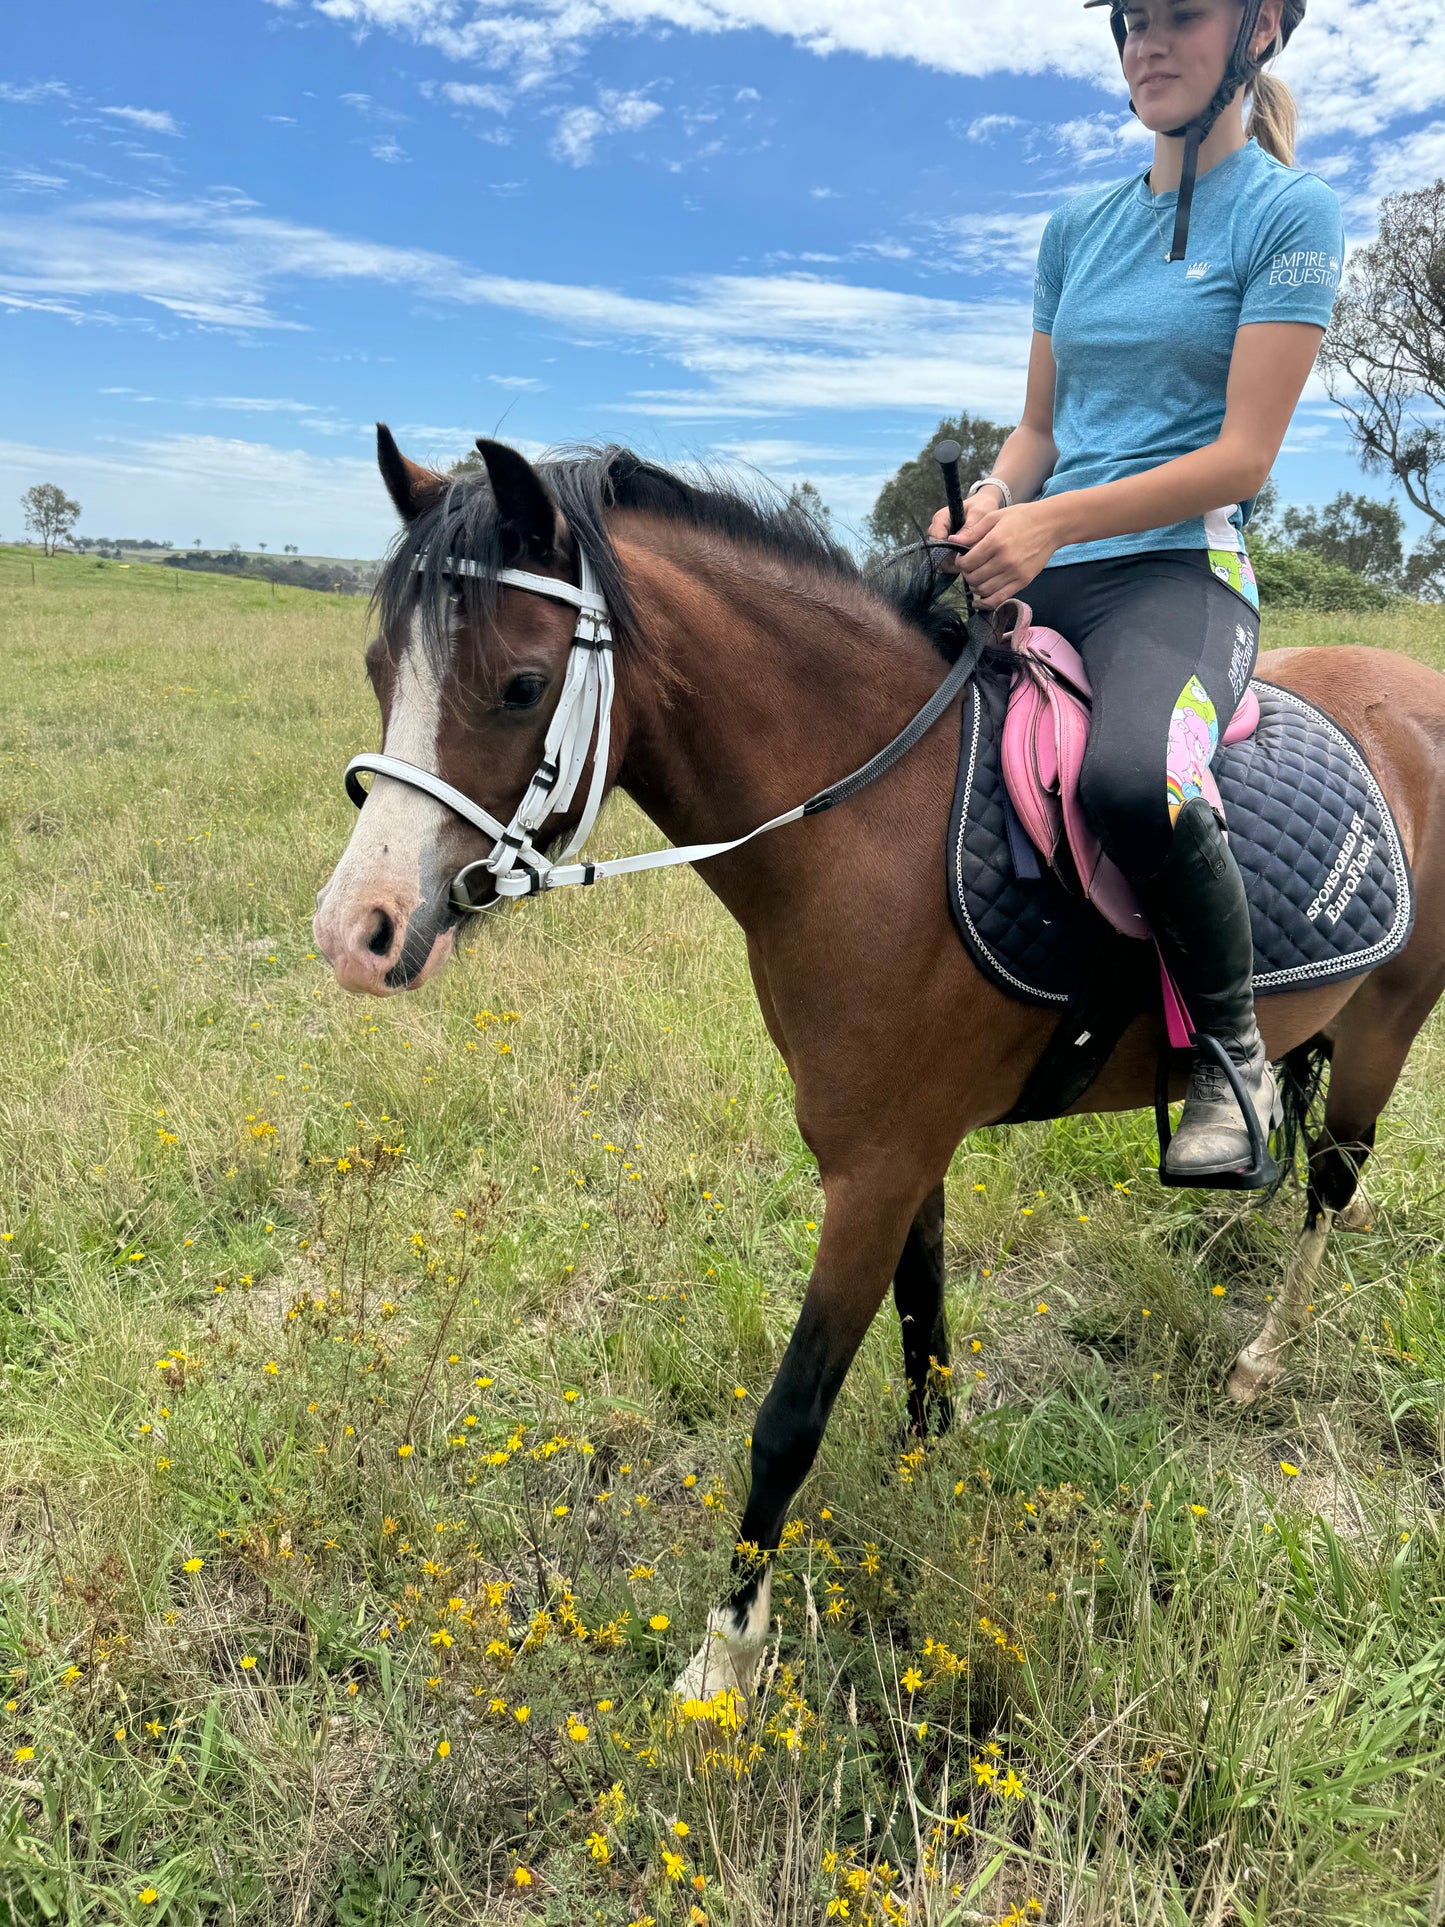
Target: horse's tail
(1301,1078)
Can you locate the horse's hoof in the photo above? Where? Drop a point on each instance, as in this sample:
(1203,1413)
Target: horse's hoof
(717,1682)
(1256,1371)
(1356,1215)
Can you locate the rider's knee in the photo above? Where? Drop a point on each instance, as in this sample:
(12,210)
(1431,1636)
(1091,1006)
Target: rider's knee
(1128,812)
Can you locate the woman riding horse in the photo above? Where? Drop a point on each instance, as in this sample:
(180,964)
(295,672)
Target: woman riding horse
(1176,320)
(754,666)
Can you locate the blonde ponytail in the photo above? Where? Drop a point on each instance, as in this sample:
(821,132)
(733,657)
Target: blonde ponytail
(1273,117)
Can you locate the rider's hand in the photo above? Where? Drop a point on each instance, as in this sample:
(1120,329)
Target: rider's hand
(1007,548)
(975,510)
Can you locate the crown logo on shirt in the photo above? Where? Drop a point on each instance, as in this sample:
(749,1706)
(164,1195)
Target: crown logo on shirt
(1196,271)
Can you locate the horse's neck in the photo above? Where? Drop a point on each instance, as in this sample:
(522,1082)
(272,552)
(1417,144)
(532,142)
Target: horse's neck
(786,682)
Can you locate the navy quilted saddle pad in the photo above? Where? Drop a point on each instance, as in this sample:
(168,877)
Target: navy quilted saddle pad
(1328,881)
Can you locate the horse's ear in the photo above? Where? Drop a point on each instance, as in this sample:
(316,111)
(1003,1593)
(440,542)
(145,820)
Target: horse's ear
(412,489)
(526,511)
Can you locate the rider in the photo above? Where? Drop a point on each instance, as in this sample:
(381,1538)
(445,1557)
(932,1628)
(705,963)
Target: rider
(1175,326)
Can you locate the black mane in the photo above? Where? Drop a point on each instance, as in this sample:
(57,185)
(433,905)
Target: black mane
(586,484)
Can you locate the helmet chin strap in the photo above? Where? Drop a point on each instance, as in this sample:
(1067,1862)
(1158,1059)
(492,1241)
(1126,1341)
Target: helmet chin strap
(1194,133)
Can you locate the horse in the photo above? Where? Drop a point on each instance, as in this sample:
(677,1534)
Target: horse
(755,663)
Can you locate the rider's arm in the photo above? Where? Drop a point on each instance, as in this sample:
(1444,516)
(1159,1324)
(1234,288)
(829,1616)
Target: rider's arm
(1026,460)
(1268,369)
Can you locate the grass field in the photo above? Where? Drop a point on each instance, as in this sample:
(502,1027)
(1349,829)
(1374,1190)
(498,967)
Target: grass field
(377,1382)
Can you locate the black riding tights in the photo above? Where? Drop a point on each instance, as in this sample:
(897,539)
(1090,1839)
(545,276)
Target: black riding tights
(1169,646)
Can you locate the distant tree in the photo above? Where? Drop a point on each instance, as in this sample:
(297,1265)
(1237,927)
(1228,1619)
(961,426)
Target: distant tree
(1360,532)
(197,543)
(1384,355)
(235,548)
(1423,575)
(50,514)
(291,549)
(805,497)
(908,503)
(262,547)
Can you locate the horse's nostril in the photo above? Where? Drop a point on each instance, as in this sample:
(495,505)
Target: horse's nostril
(383,936)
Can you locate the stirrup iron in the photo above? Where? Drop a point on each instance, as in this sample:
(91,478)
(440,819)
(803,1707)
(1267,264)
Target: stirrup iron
(1261,1171)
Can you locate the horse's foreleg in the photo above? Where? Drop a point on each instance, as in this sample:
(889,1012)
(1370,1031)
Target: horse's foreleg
(918,1294)
(863,1232)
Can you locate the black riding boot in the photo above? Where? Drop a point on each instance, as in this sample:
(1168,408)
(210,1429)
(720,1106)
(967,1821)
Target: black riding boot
(1200,915)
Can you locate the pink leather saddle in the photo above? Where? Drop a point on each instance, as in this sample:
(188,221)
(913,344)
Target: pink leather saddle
(1045,734)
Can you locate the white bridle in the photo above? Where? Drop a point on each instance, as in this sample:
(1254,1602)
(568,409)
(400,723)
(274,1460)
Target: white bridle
(584,710)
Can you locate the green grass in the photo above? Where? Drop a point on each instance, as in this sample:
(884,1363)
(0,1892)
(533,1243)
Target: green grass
(433,1330)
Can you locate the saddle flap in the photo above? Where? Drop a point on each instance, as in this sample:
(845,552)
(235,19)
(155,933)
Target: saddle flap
(1035,797)
(1045,735)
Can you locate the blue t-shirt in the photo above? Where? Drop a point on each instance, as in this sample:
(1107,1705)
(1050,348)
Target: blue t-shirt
(1143,345)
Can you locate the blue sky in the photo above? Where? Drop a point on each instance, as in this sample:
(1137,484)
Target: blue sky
(233,236)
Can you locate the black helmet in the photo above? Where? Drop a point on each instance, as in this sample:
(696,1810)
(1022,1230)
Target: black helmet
(1239,70)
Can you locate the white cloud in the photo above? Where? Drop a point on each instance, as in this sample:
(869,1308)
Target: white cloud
(531,36)
(153,120)
(1106,136)
(67,310)
(1413,161)
(749,345)
(848,490)
(1006,242)
(988,127)
(33,93)
(1358,66)
(371,109)
(188,485)
(458,93)
(250,404)
(580,128)
(388,150)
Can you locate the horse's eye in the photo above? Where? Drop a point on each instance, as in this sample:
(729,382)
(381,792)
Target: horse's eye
(524,692)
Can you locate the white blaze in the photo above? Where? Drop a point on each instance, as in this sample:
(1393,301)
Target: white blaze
(398,825)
